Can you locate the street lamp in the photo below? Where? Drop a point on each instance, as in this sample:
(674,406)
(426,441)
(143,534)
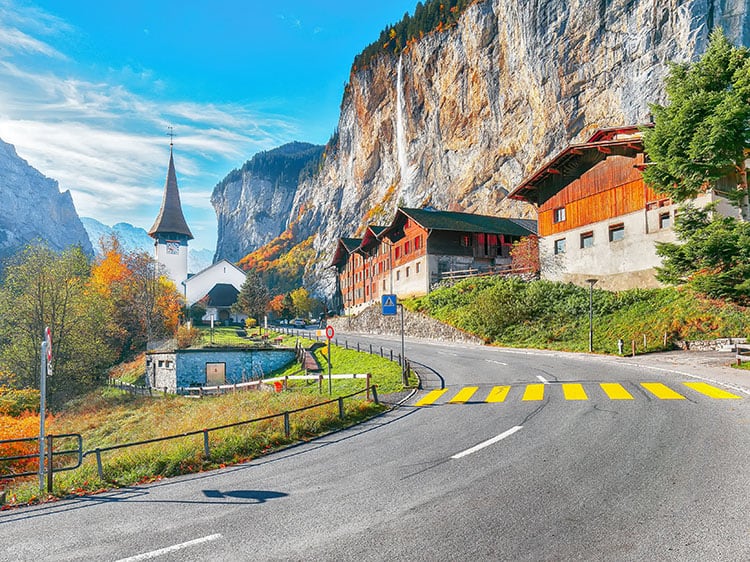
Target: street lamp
(591,283)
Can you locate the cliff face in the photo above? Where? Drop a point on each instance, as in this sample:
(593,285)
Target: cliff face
(462,116)
(253,204)
(33,209)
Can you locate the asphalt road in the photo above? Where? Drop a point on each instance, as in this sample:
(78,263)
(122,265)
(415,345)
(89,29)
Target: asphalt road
(561,466)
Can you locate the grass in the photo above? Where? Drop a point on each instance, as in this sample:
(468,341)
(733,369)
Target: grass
(547,315)
(111,417)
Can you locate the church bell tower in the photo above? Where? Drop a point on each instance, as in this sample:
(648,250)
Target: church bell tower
(170,231)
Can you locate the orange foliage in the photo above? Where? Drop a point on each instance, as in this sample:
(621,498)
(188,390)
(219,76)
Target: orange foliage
(25,425)
(111,269)
(169,302)
(525,254)
(276,305)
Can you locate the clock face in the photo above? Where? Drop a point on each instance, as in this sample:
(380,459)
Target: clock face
(173,247)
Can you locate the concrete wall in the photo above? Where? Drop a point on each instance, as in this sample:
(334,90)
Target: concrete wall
(186,367)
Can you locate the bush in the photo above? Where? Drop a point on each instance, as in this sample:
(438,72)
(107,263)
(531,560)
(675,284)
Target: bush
(187,336)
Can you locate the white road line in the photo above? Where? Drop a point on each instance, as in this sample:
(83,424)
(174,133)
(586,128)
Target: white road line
(542,379)
(496,362)
(167,550)
(489,442)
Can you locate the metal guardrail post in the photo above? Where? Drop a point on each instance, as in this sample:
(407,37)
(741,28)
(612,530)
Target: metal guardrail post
(206,450)
(99,467)
(49,464)
(287,425)
(341,408)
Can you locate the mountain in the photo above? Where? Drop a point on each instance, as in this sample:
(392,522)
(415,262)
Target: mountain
(253,203)
(135,239)
(34,209)
(464,112)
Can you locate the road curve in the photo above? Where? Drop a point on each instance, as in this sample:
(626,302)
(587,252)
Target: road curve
(522,456)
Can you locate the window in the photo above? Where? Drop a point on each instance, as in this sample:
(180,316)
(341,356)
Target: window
(417,242)
(407,270)
(558,215)
(406,247)
(383,284)
(417,267)
(398,274)
(465,240)
(398,252)
(560,246)
(665,220)
(616,232)
(587,239)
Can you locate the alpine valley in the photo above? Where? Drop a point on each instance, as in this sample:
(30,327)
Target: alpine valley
(460,115)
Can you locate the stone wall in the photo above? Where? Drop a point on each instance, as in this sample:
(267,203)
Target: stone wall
(371,321)
(709,345)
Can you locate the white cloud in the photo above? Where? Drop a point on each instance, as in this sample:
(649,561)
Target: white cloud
(109,145)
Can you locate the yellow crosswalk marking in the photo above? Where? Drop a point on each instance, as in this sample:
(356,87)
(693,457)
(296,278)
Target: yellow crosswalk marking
(431,397)
(574,391)
(662,391)
(464,395)
(498,394)
(616,391)
(711,391)
(533,393)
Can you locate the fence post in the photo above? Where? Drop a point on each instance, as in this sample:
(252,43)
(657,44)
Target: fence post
(49,464)
(165,391)
(99,467)
(341,408)
(375,393)
(370,349)
(287,428)
(644,342)
(632,343)
(381,351)
(320,383)
(206,451)
(346,344)
(367,383)
(286,382)
(357,347)
(391,355)
(665,339)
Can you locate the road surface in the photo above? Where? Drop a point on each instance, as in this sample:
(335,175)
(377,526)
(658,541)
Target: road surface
(506,455)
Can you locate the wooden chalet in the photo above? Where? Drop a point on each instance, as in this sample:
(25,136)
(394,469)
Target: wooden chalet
(597,218)
(418,249)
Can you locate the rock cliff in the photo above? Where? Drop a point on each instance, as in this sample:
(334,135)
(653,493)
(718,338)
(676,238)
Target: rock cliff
(253,204)
(33,209)
(463,115)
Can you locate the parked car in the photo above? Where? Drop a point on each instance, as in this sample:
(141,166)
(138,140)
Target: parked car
(298,323)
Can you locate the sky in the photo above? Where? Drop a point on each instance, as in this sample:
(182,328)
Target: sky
(89,90)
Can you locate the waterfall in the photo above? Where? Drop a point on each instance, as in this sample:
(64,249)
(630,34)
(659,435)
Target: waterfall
(401,129)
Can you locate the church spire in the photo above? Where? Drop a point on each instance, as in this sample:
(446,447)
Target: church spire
(170,219)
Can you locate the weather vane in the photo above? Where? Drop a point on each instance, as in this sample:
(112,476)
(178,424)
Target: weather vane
(171,135)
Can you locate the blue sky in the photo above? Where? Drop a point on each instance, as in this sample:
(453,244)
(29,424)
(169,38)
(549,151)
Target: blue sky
(88,90)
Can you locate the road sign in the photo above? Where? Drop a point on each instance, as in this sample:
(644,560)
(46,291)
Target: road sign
(389,305)
(48,341)
(329,332)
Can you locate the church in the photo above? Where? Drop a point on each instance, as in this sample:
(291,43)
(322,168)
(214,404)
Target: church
(216,286)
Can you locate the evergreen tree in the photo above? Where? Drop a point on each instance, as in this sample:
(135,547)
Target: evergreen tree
(701,135)
(253,298)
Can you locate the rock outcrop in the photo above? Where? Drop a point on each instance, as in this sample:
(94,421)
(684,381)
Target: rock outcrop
(463,115)
(253,204)
(33,209)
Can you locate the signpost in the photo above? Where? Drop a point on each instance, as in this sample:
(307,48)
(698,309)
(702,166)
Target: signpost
(389,306)
(45,370)
(329,335)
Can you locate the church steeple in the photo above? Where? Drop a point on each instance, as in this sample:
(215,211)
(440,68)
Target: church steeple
(170,219)
(170,231)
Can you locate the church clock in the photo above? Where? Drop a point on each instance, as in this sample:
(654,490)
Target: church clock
(173,247)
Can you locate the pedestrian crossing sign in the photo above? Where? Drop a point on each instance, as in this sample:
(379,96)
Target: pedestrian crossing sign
(389,305)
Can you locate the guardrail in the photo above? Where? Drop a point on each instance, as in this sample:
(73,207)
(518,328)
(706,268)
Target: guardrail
(49,456)
(205,432)
(743,352)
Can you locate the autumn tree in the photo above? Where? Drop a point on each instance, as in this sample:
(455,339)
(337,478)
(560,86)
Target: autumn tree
(43,288)
(524,255)
(302,302)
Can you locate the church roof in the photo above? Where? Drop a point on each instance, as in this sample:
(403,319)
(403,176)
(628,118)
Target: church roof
(222,295)
(170,219)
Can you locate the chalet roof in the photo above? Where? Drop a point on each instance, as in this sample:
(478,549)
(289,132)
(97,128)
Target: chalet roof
(372,237)
(222,295)
(571,163)
(459,222)
(344,248)
(170,219)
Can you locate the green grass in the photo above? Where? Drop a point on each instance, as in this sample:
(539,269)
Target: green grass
(543,314)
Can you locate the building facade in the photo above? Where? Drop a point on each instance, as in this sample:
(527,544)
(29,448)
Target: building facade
(597,218)
(418,249)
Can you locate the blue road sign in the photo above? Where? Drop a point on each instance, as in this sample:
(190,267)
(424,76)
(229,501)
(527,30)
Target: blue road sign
(389,305)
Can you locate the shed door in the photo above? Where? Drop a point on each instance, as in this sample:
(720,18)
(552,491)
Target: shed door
(216,373)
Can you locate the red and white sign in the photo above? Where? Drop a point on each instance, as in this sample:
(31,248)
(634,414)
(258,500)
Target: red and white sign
(329,332)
